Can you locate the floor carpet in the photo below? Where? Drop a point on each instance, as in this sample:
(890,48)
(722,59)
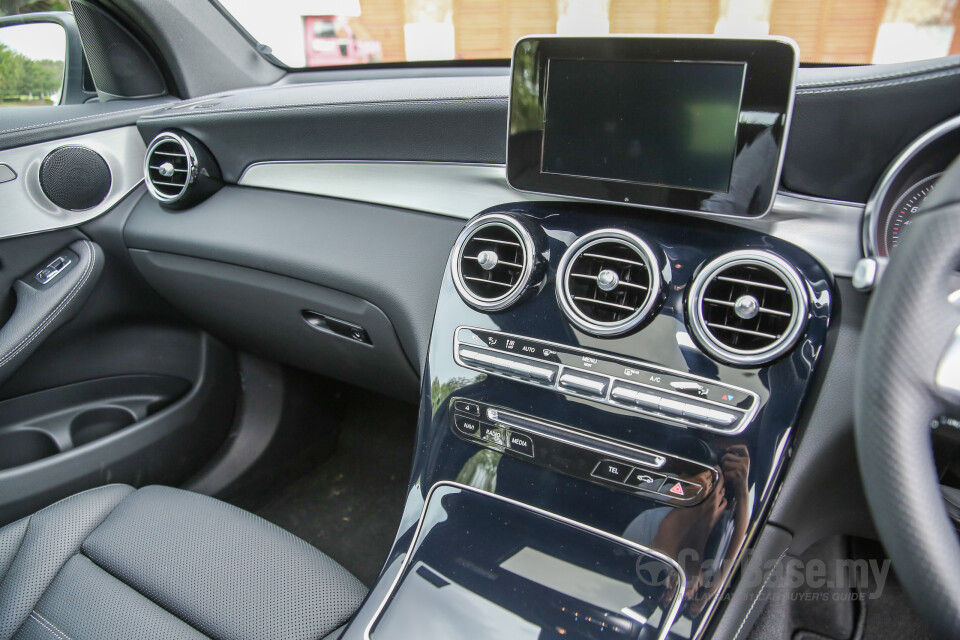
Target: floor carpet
(350,506)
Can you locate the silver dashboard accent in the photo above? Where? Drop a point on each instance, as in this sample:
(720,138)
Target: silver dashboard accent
(26,210)
(829,229)
(871,212)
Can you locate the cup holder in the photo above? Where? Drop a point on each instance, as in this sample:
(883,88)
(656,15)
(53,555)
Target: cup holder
(25,446)
(98,423)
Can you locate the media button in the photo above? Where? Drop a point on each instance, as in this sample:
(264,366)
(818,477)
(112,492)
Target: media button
(520,443)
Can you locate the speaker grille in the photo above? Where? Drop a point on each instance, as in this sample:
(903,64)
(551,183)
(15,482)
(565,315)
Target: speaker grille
(75,178)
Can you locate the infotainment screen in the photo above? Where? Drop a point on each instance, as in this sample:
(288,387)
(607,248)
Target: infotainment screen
(688,123)
(683,134)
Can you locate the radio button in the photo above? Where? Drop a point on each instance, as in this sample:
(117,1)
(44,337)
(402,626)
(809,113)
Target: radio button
(612,470)
(584,383)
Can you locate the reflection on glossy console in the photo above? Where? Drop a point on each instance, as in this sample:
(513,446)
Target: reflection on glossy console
(523,574)
(574,428)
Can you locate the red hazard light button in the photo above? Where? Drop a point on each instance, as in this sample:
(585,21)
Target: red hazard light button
(680,488)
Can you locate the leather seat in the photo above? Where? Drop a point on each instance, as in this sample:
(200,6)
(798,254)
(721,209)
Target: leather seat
(162,563)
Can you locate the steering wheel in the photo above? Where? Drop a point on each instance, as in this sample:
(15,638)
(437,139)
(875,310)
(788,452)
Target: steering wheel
(908,377)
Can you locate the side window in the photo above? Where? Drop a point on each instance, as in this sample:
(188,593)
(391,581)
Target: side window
(32,57)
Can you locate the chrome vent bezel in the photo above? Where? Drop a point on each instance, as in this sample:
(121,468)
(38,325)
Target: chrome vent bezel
(151,167)
(706,336)
(469,233)
(564,273)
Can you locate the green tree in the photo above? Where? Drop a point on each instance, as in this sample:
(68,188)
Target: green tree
(13,7)
(11,72)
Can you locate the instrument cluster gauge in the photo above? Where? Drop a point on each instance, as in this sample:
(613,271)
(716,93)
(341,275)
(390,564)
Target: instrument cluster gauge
(907,182)
(899,217)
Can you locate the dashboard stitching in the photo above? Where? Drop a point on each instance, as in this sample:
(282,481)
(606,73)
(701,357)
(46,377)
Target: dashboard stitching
(759,593)
(96,115)
(302,107)
(942,74)
(871,79)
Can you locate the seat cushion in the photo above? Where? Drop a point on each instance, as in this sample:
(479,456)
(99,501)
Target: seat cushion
(164,563)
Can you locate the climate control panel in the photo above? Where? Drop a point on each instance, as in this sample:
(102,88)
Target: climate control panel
(663,394)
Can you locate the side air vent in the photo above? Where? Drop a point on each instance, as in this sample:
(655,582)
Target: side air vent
(608,282)
(170,166)
(747,307)
(492,262)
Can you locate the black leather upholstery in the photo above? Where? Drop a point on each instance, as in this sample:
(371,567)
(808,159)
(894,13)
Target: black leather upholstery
(162,563)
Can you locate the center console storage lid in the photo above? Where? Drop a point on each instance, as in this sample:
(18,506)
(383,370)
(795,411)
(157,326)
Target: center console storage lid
(484,566)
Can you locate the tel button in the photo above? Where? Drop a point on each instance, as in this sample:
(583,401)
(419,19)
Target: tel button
(612,470)
(520,443)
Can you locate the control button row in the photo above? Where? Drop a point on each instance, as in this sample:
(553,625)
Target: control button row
(622,473)
(640,397)
(585,383)
(514,440)
(538,372)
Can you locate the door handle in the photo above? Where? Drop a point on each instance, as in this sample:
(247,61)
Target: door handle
(48,296)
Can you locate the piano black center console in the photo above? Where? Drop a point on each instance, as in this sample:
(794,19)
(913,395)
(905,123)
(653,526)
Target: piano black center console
(610,391)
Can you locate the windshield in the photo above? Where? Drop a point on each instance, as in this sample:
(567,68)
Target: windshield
(319,33)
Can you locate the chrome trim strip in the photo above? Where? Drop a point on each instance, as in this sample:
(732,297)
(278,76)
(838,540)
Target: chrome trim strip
(26,210)
(829,229)
(669,617)
(871,214)
(608,398)
(524,424)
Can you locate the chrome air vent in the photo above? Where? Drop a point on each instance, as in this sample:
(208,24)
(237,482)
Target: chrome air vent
(493,260)
(747,307)
(170,167)
(608,282)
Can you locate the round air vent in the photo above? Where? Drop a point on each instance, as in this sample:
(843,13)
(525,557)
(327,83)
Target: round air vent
(608,282)
(747,307)
(493,260)
(170,167)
